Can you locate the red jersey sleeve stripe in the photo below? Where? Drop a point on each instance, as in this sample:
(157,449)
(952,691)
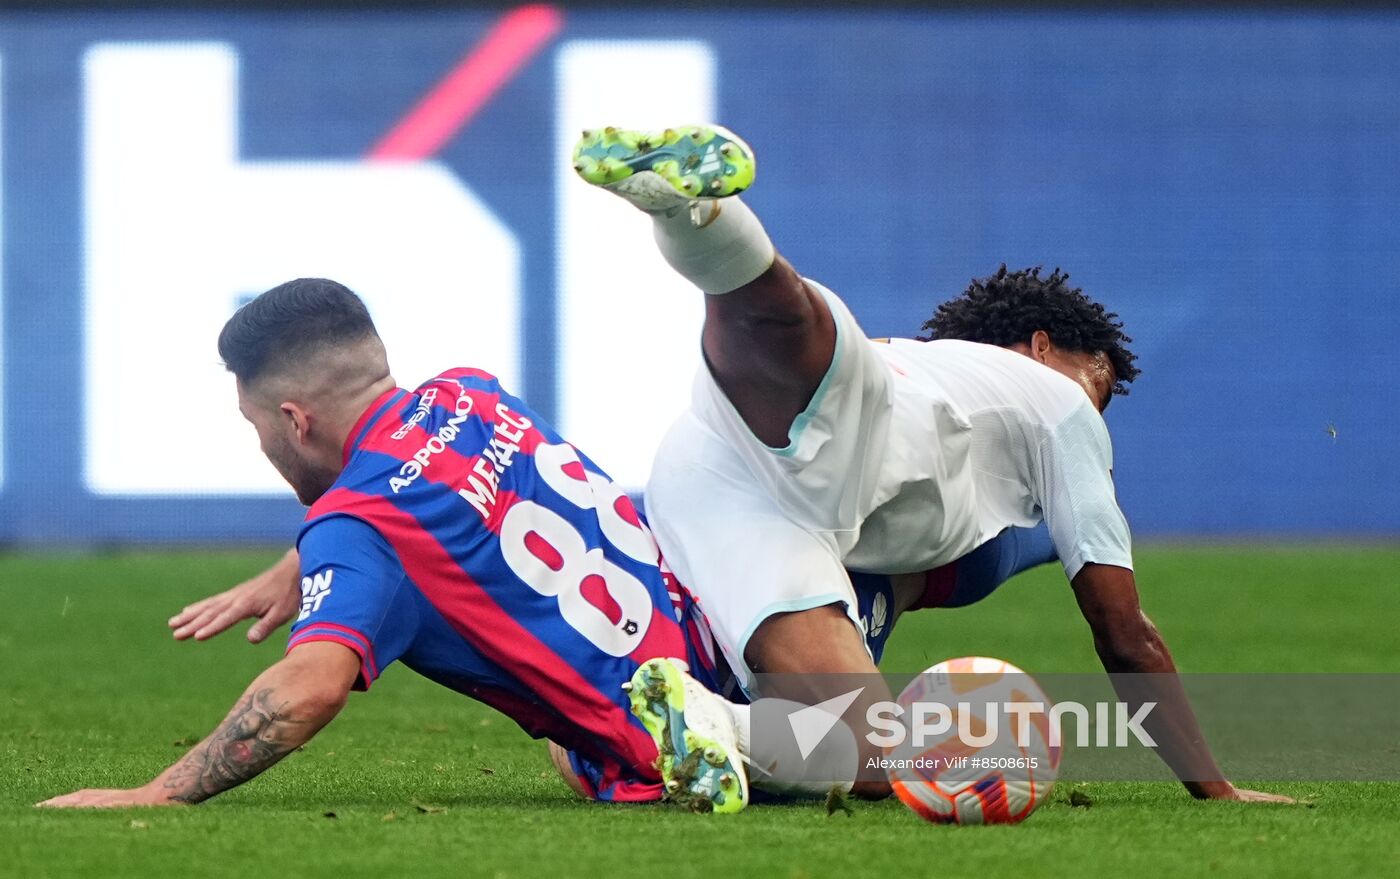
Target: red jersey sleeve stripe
(363,645)
(367,673)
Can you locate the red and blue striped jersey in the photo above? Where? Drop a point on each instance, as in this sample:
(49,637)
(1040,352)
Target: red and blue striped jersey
(466,539)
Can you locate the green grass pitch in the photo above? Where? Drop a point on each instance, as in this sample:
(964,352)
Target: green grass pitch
(413,780)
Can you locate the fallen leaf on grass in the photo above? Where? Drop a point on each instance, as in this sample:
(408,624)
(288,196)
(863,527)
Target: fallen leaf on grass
(137,824)
(185,742)
(1079,798)
(486,770)
(392,816)
(428,808)
(837,801)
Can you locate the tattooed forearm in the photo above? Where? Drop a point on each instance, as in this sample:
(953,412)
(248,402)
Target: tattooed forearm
(260,730)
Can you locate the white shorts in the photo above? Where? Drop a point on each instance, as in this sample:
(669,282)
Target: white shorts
(741,557)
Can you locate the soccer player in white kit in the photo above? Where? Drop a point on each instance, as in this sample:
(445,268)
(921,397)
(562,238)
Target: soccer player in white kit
(811,449)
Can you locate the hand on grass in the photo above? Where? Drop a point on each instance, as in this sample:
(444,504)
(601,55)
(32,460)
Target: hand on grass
(1220,789)
(108,799)
(270,597)
(1240,795)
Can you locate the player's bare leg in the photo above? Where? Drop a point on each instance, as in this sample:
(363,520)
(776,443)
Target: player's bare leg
(768,344)
(768,337)
(820,646)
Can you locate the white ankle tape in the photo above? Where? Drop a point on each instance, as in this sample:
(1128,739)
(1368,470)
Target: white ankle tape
(720,256)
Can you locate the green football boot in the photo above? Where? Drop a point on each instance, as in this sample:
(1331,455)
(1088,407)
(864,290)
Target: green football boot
(696,738)
(660,171)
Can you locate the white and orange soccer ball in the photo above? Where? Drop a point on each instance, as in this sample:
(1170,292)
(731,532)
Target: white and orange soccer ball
(990,765)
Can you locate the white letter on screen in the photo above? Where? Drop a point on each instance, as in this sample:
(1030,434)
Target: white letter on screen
(179,228)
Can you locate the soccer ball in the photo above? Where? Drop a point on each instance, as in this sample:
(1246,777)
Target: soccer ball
(965,757)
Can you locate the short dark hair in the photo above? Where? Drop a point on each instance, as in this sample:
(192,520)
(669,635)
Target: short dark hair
(289,323)
(1009,307)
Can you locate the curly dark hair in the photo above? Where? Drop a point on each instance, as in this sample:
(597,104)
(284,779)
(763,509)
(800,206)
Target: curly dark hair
(1010,306)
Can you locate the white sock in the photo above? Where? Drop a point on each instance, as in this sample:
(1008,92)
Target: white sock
(743,723)
(780,768)
(724,254)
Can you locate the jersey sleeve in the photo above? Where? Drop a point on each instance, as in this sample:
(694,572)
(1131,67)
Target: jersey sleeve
(354,592)
(1075,474)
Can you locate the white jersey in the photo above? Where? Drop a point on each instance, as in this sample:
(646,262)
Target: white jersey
(909,456)
(1037,450)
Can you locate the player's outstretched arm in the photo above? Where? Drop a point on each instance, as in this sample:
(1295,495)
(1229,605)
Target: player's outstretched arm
(1128,644)
(269,597)
(279,712)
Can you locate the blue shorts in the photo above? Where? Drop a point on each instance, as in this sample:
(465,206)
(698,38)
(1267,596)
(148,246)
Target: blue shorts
(966,581)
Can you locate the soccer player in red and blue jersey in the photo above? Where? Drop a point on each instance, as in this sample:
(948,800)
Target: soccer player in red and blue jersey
(453,530)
